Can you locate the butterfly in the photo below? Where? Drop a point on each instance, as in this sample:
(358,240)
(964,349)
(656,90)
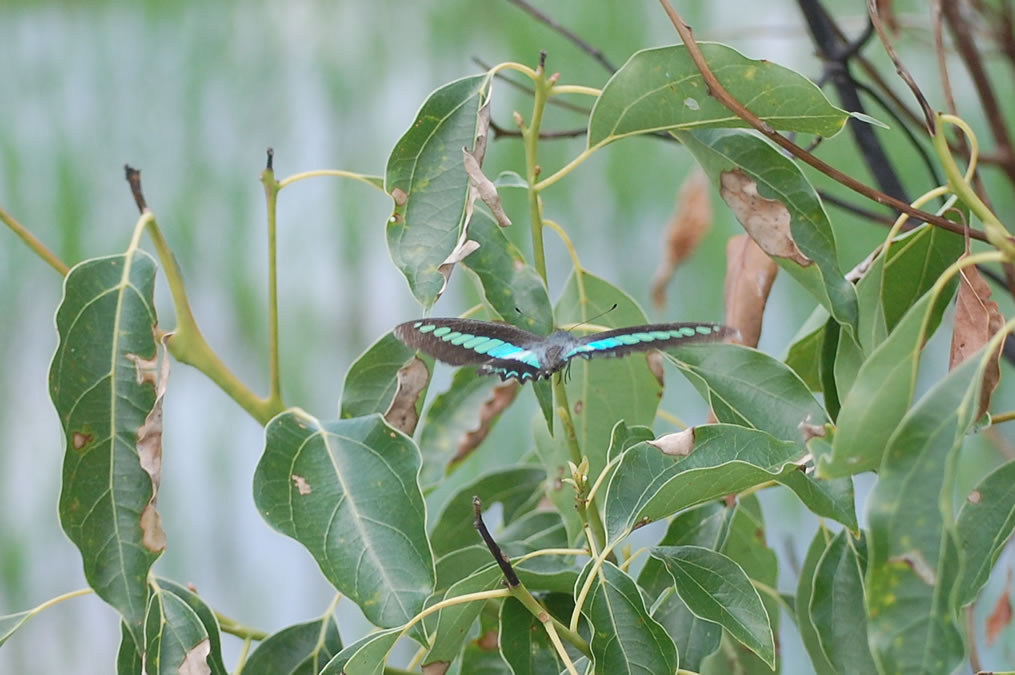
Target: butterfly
(501,349)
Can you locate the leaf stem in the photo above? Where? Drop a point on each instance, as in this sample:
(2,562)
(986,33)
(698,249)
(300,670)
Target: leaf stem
(34,243)
(372,181)
(576,89)
(271,190)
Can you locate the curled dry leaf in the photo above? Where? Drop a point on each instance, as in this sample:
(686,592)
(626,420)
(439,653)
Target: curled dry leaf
(149,444)
(977,319)
(500,398)
(690,223)
(464,247)
(750,273)
(679,444)
(195,661)
(436,668)
(483,187)
(1001,616)
(766,220)
(655,364)
(411,381)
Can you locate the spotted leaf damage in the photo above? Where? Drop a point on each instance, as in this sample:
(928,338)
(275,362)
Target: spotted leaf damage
(766,220)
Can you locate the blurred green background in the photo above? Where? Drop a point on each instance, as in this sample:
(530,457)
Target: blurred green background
(192,93)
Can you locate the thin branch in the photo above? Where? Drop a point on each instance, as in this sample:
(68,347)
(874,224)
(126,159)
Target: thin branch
(597,54)
(34,243)
(988,100)
(716,89)
(928,112)
(873,216)
(498,556)
(501,132)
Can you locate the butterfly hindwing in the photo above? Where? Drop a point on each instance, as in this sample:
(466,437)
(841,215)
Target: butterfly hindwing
(645,338)
(461,342)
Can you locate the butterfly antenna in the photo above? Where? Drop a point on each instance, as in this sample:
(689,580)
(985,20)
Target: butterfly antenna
(597,316)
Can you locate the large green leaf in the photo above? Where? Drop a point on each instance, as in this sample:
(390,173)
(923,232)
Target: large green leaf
(451,417)
(661,88)
(716,588)
(349,492)
(128,658)
(778,178)
(726,459)
(985,524)
(513,289)
(603,391)
(454,622)
(427,180)
(370,383)
(878,399)
(804,354)
(625,637)
(175,639)
(518,489)
(805,588)
(837,606)
(915,261)
(915,560)
(101,382)
(524,643)
(694,637)
(208,620)
(301,649)
(750,388)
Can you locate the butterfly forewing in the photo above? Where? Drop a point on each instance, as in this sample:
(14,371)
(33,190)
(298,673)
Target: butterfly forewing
(461,342)
(646,338)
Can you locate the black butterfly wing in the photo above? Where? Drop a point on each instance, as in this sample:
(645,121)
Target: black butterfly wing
(499,348)
(646,338)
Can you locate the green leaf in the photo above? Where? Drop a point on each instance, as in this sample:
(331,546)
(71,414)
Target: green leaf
(716,588)
(695,638)
(603,391)
(366,656)
(208,620)
(427,180)
(128,658)
(985,524)
(914,563)
(450,417)
(455,621)
(524,643)
(509,284)
(915,261)
(301,649)
(625,637)
(805,588)
(878,399)
(624,437)
(837,606)
(750,388)
(370,383)
(779,178)
(804,355)
(661,88)
(348,491)
(726,459)
(101,383)
(175,639)
(825,497)
(510,179)
(518,489)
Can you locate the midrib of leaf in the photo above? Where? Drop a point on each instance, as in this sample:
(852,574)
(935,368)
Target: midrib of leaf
(711,597)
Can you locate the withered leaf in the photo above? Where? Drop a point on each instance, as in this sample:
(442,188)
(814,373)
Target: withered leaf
(977,319)
(750,273)
(411,379)
(766,220)
(1000,617)
(500,398)
(195,662)
(149,444)
(679,444)
(691,221)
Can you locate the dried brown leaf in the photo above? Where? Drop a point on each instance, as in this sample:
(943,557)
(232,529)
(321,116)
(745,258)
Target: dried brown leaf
(766,220)
(500,398)
(691,221)
(655,364)
(462,250)
(750,273)
(149,444)
(483,187)
(977,319)
(679,444)
(411,379)
(195,661)
(1001,616)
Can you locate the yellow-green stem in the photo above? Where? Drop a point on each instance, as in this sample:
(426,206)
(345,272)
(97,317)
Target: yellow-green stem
(34,243)
(271,188)
(188,345)
(530,134)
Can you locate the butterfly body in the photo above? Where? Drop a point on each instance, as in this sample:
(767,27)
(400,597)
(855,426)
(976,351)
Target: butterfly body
(509,352)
